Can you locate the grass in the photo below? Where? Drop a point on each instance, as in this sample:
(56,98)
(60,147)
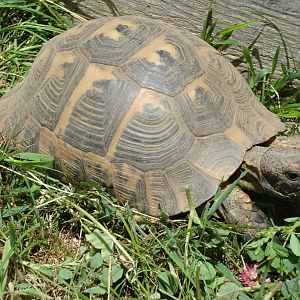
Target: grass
(24,27)
(76,242)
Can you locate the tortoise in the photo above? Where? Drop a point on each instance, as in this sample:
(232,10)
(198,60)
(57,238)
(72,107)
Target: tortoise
(147,109)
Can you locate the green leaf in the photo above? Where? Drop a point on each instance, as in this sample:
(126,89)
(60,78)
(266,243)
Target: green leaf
(46,271)
(4,263)
(235,27)
(206,24)
(261,74)
(207,271)
(28,290)
(228,291)
(226,272)
(100,240)
(115,275)
(295,244)
(28,159)
(288,111)
(155,296)
(294,76)
(65,274)
(250,65)
(291,289)
(275,263)
(243,296)
(257,255)
(230,42)
(96,261)
(220,198)
(8,212)
(275,61)
(286,266)
(167,283)
(292,220)
(280,250)
(193,213)
(98,290)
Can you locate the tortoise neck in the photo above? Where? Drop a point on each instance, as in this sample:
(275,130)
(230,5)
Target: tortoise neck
(251,164)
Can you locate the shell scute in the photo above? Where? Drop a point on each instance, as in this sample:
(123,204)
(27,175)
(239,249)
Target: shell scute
(118,40)
(166,65)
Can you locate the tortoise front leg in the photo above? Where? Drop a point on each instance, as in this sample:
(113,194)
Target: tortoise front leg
(239,209)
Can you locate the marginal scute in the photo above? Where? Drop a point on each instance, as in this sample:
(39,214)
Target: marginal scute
(39,70)
(216,156)
(27,132)
(20,96)
(129,186)
(98,169)
(160,196)
(274,122)
(255,126)
(68,159)
(183,174)
(11,127)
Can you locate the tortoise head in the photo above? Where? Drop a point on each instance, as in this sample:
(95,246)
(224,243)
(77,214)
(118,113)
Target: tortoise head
(280,171)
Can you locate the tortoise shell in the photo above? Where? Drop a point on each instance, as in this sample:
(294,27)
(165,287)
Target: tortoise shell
(142,107)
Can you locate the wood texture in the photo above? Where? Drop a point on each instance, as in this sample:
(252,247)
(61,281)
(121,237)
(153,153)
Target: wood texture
(190,14)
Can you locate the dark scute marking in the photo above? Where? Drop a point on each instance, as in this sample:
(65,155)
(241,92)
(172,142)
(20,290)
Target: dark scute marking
(183,174)
(104,50)
(124,29)
(216,154)
(165,57)
(256,121)
(48,103)
(173,74)
(162,195)
(199,92)
(78,34)
(72,169)
(227,74)
(210,112)
(97,114)
(38,71)
(28,136)
(153,139)
(129,186)
(96,172)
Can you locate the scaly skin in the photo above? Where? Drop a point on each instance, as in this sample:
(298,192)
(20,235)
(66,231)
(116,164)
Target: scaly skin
(239,209)
(273,170)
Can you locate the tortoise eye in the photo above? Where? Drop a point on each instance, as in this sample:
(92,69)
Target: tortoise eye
(292,176)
